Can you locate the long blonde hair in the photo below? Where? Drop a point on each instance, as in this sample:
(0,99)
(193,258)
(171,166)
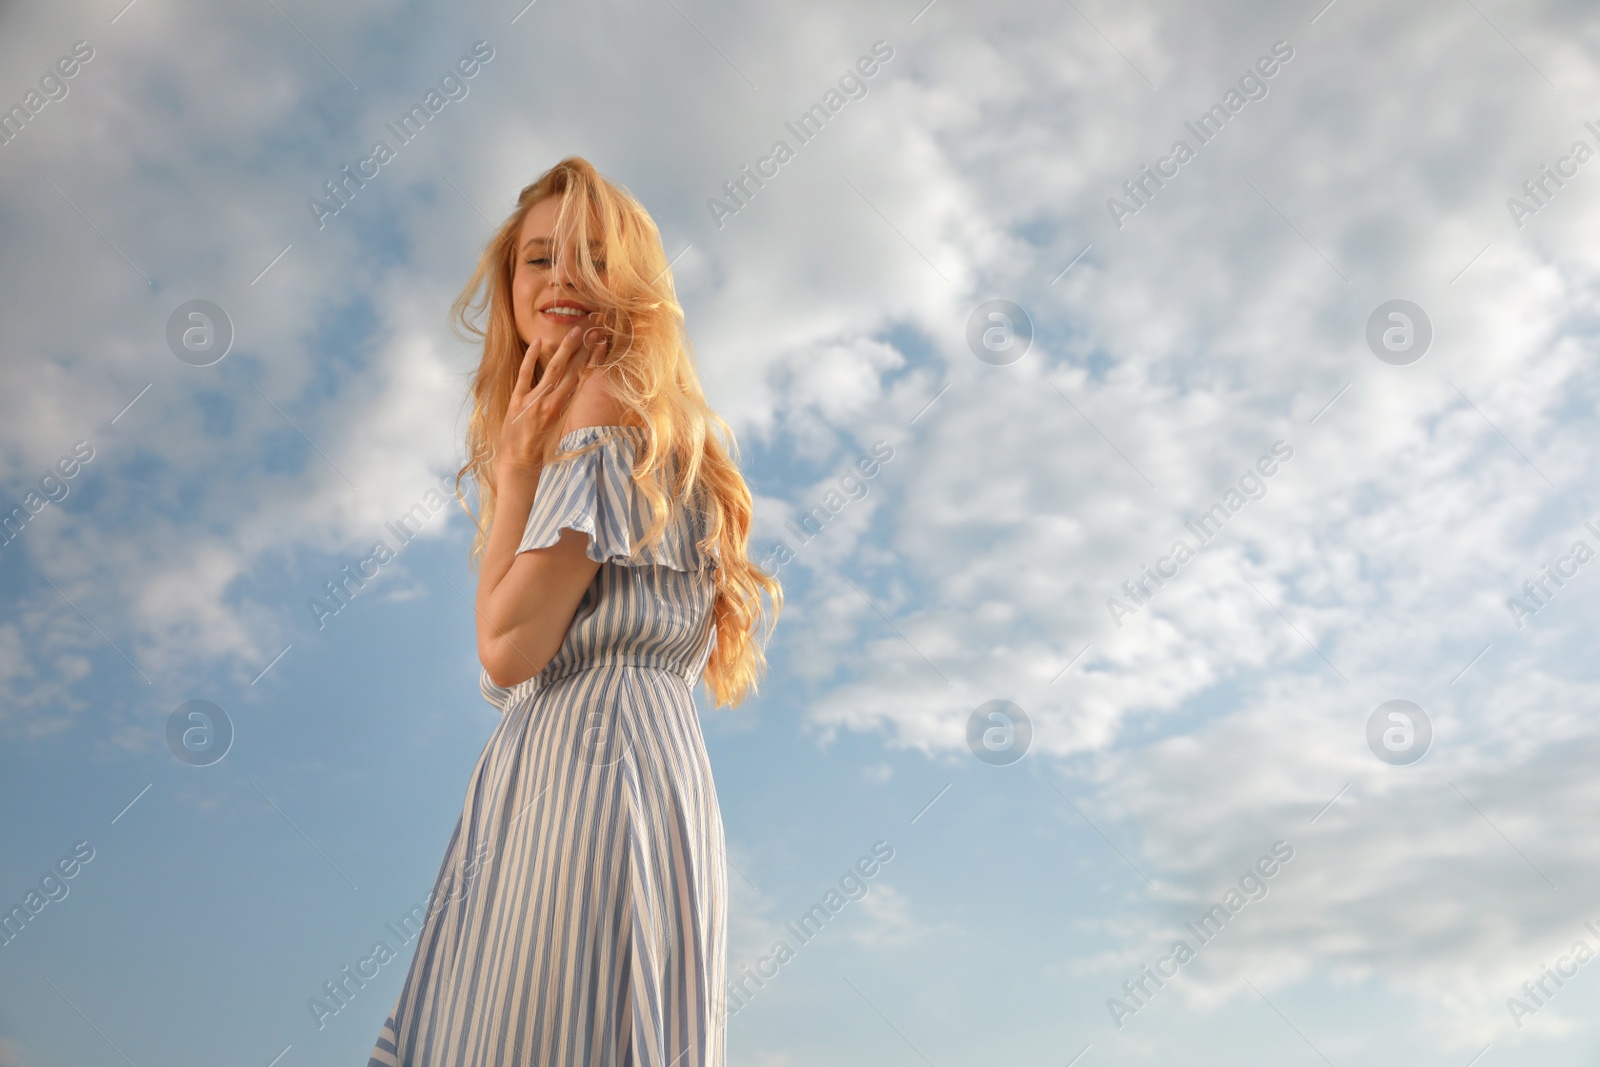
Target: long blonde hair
(651,373)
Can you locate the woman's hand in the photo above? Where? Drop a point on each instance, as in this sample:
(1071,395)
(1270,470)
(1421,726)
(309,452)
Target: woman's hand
(526,600)
(535,408)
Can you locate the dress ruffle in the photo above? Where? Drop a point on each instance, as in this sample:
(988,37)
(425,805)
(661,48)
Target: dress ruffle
(595,493)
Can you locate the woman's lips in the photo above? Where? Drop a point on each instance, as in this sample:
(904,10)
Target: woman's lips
(570,320)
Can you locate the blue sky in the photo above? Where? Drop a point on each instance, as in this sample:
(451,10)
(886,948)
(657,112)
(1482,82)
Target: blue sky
(1388,156)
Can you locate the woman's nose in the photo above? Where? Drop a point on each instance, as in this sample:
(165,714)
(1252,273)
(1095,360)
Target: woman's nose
(561,274)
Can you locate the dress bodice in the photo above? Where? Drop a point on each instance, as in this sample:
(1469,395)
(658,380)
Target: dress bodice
(647,606)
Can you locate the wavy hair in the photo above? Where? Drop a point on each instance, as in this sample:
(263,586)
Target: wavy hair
(651,373)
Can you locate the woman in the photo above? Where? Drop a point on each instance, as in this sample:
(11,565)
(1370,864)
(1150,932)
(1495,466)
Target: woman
(579,916)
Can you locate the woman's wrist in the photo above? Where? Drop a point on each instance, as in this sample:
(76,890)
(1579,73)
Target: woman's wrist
(510,472)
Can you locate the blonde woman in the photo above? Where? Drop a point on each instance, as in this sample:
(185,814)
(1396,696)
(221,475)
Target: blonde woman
(579,916)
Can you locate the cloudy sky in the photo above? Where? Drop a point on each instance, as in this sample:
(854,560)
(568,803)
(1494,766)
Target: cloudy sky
(1339,347)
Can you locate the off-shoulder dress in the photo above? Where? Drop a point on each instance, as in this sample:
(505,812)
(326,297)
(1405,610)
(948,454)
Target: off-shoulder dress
(579,916)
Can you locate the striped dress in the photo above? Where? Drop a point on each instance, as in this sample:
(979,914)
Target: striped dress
(579,916)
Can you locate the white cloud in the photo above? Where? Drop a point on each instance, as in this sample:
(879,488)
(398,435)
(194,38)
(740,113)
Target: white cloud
(887,919)
(1220,319)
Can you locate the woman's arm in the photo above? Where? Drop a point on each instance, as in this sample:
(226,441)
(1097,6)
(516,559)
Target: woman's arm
(526,600)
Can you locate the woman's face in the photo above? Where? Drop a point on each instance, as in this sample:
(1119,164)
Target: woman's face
(542,295)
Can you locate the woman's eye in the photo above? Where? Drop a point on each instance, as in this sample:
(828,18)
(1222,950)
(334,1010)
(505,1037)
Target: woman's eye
(544,261)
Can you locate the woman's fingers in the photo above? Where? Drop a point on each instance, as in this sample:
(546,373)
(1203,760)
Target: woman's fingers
(530,359)
(564,379)
(558,366)
(572,376)
(523,385)
(584,336)
(570,346)
(562,374)
(596,335)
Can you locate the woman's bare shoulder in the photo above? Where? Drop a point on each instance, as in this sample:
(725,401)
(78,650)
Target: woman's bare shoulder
(593,404)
